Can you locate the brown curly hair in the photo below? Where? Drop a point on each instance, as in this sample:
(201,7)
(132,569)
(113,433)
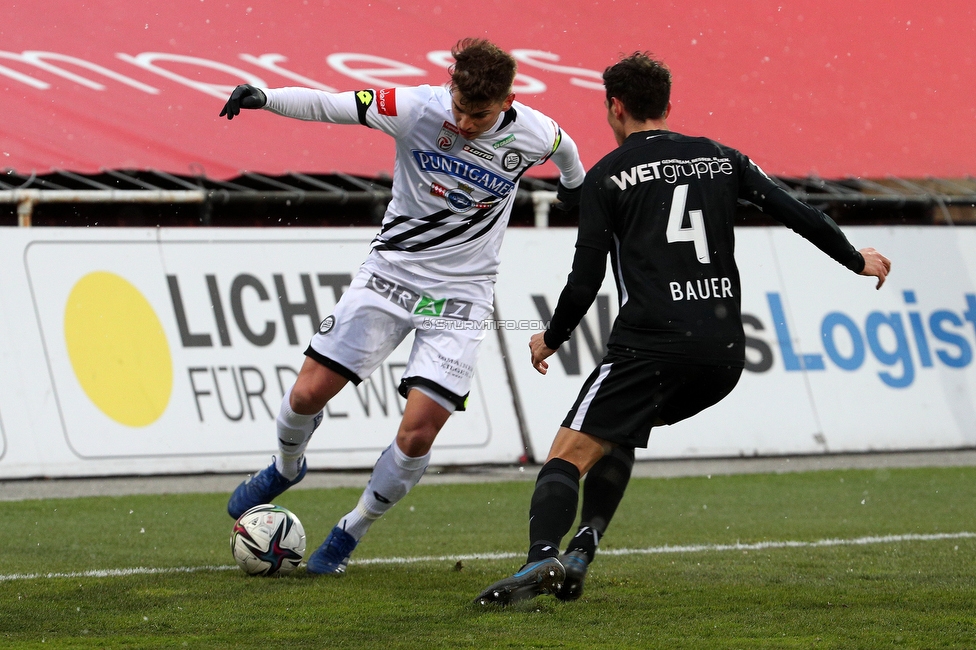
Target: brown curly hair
(482,72)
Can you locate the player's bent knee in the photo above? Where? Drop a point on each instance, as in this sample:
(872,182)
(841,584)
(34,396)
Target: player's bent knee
(305,398)
(315,386)
(417,440)
(579,448)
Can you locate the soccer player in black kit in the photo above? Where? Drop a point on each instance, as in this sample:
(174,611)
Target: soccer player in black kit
(662,205)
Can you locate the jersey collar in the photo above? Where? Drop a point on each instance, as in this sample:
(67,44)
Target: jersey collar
(647,135)
(508,118)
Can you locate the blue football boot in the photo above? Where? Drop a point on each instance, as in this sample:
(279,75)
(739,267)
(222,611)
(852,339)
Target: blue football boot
(332,557)
(262,487)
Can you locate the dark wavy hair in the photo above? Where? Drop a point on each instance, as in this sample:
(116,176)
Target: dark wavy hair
(482,72)
(642,83)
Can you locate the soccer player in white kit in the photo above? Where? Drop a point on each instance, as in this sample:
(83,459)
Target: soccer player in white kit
(460,152)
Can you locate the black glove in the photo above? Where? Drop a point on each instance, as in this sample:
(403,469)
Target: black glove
(244,96)
(567,198)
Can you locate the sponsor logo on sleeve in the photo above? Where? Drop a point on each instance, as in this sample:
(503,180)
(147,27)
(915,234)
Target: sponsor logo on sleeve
(386,102)
(364,98)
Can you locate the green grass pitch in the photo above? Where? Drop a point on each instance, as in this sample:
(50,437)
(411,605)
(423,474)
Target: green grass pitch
(703,562)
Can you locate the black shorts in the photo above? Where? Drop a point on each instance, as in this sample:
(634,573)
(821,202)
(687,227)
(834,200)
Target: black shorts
(624,397)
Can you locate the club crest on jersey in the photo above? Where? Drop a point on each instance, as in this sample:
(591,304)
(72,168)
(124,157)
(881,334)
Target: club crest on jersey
(326,325)
(479,152)
(447,137)
(511,160)
(459,199)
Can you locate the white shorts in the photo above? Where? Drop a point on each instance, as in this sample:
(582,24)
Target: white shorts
(383,304)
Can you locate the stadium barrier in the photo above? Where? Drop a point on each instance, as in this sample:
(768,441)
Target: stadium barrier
(155,351)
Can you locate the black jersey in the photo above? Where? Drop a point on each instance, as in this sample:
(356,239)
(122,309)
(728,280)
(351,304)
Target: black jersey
(663,205)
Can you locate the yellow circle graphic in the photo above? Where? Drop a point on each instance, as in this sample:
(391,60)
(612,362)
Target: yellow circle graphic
(118,349)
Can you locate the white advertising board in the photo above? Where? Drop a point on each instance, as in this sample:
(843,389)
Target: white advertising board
(170,350)
(888,369)
(153,351)
(832,364)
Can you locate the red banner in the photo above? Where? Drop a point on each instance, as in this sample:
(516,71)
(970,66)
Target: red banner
(837,89)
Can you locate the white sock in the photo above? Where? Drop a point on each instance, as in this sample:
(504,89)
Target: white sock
(294,432)
(394,475)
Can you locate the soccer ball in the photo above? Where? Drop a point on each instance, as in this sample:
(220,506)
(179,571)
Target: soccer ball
(268,540)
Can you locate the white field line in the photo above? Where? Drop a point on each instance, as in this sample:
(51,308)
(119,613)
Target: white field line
(654,550)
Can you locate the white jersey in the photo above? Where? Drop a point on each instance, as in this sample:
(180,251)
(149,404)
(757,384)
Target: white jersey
(452,197)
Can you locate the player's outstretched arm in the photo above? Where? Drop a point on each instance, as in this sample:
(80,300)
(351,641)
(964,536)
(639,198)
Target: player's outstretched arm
(244,96)
(571,173)
(876,265)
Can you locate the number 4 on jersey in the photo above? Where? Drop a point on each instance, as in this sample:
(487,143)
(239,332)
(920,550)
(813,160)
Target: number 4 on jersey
(693,233)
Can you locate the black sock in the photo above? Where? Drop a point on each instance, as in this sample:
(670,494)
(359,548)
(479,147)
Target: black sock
(553,508)
(586,540)
(603,489)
